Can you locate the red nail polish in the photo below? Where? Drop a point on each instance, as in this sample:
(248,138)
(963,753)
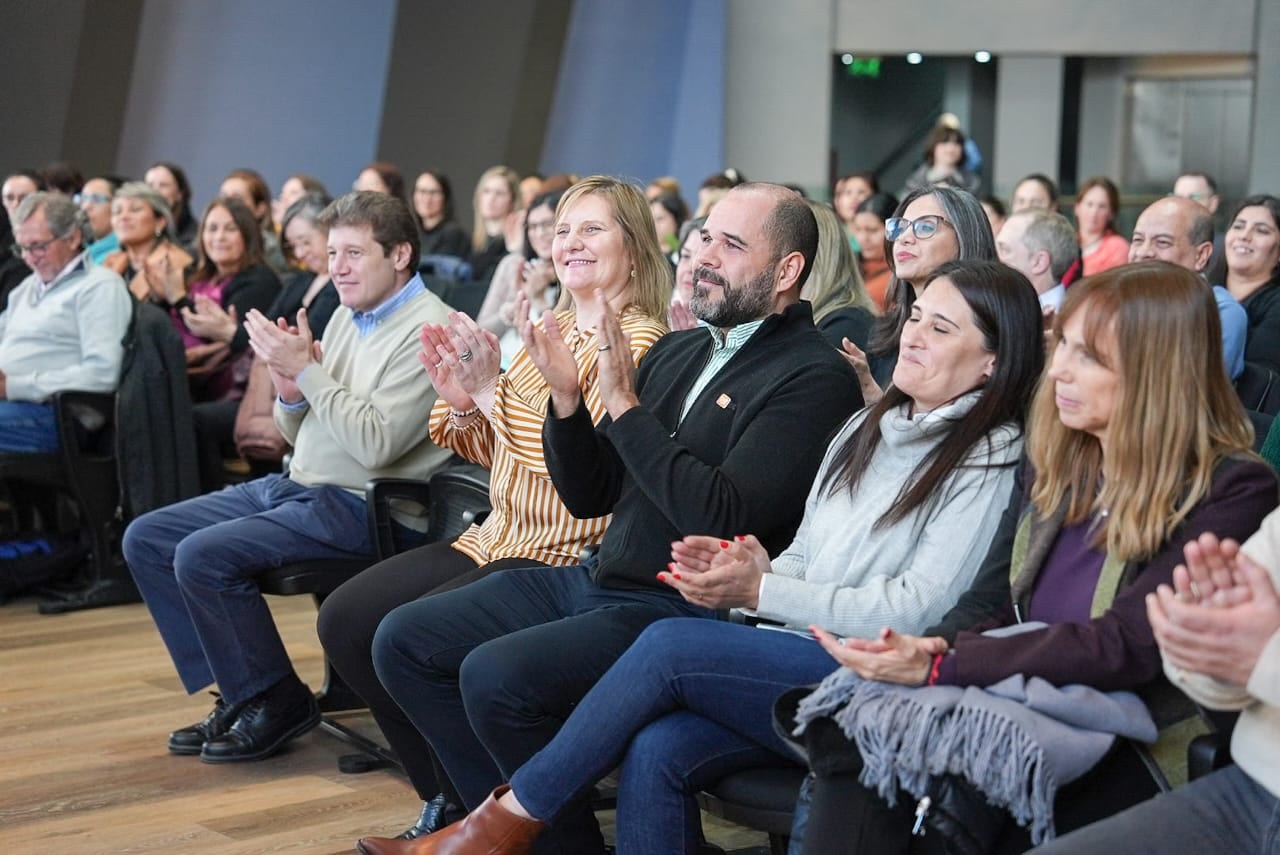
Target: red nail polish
(677,575)
(724,544)
(662,577)
(671,566)
(740,538)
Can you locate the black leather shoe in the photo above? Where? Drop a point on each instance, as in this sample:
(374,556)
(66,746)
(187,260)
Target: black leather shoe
(266,722)
(436,814)
(189,740)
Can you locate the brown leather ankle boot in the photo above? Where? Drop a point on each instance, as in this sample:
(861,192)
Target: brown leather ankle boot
(488,830)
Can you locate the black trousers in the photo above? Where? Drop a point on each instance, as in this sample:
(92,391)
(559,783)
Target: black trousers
(349,618)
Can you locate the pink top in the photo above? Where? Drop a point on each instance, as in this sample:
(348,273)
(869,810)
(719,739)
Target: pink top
(1111,251)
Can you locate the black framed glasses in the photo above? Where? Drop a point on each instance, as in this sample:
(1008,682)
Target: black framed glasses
(924,227)
(37,248)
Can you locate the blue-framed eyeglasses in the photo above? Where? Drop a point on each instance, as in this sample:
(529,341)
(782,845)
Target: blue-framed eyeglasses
(924,227)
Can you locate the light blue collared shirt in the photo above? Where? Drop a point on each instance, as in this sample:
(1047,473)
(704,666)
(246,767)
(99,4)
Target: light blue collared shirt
(1235,327)
(723,347)
(366,322)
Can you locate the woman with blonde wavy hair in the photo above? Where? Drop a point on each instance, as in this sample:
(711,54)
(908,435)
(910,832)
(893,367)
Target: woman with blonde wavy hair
(499,224)
(1137,445)
(495,419)
(841,307)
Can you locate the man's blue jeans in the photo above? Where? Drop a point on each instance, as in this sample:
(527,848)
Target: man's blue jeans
(27,427)
(195,564)
(688,703)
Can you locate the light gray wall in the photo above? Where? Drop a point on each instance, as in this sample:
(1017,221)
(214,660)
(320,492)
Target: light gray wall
(1029,119)
(1070,27)
(285,86)
(1264,166)
(778,90)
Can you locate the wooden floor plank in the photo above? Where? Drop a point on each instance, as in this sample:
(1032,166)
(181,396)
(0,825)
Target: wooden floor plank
(86,703)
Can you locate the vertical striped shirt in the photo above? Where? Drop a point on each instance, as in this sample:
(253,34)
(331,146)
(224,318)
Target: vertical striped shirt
(528,519)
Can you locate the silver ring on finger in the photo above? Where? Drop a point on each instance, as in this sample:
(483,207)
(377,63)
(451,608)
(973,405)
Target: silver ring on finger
(602,348)
(466,355)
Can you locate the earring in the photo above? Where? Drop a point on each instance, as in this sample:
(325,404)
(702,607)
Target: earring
(633,273)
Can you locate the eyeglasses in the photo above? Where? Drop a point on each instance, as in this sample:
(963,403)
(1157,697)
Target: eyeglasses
(40,247)
(91,198)
(924,227)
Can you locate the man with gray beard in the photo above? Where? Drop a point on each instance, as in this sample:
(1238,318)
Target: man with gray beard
(720,432)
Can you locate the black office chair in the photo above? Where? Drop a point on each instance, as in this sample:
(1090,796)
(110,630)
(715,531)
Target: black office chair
(83,470)
(456,497)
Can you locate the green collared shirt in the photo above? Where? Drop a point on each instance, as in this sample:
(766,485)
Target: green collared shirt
(723,347)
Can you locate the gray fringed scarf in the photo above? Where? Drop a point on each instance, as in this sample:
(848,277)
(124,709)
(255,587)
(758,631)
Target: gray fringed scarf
(1016,741)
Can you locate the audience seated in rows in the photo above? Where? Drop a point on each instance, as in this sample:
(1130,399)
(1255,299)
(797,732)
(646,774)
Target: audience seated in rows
(895,526)
(250,188)
(352,412)
(94,198)
(170,181)
(1181,231)
(1253,275)
(1097,204)
(1034,192)
(247,426)
(498,220)
(841,308)
(1216,626)
(1136,363)
(142,222)
(691,444)
(496,420)
(945,162)
(64,326)
(530,274)
(1041,245)
(868,232)
(294,188)
(850,192)
(433,205)
(382,177)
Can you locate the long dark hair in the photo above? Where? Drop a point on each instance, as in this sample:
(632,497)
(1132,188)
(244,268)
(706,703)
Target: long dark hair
(1007,313)
(974,239)
(246,224)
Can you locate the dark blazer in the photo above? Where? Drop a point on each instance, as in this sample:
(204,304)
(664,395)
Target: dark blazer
(740,462)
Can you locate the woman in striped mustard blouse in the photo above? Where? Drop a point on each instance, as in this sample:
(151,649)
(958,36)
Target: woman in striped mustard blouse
(604,230)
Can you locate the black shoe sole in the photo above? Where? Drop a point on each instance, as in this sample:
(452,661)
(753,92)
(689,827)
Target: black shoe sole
(185,750)
(266,751)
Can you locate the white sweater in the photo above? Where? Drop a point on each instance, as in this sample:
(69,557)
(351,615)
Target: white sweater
(71,337)
(1255,743)
(851,576)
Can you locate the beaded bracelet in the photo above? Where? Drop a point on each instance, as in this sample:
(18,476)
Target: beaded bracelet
(466,414)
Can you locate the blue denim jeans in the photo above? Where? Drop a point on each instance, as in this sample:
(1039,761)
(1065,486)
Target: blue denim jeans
(488,673)
(27,427)
(1226,811)
(195,563)
(688,703)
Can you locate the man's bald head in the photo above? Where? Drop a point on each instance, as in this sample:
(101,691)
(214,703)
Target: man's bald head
(1176,230)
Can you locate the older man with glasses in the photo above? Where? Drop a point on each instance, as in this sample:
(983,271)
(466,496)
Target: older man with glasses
(64,325)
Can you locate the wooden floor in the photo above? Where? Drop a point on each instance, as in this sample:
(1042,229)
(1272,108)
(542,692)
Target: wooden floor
(86,702)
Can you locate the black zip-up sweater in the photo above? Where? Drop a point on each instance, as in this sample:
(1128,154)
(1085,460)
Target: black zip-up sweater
(741,462)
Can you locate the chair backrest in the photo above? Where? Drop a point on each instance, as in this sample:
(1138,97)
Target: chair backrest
(1258,389)
(459,498)
(445,266)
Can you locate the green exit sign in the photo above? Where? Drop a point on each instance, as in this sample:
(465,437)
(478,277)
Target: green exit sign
(864,67)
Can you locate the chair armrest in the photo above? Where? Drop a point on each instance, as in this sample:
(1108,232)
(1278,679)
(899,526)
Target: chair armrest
(379,493)
(86,412)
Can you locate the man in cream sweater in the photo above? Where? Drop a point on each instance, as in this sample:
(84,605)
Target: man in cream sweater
(354,409)
(1218,629)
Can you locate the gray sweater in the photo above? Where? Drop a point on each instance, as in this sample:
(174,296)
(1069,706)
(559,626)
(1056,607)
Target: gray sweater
(852,577)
